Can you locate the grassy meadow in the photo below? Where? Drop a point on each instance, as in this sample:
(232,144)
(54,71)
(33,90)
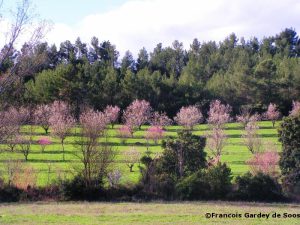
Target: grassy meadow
(144,213)
(49,166)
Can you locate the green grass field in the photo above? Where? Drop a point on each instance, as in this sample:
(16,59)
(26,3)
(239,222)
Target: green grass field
(145,213)
(235,153)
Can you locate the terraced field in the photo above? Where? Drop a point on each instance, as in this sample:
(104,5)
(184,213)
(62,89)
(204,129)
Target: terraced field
(48,165)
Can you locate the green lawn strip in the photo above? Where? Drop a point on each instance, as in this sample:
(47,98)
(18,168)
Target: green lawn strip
(143,213)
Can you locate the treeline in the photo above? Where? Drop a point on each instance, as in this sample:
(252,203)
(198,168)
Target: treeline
(241,73)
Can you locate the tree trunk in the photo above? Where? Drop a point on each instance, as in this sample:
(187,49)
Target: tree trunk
(63,149)
(130,168)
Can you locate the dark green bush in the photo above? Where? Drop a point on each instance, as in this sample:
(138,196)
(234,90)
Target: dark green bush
(289,163)
(213,183)
(259,187)
(9,194)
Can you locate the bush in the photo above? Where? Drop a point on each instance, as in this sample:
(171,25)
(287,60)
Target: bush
(219,180)
(76,189)
(193,187)
(289,163)
(9,194)
(184,155)
(259,187)
(213,183)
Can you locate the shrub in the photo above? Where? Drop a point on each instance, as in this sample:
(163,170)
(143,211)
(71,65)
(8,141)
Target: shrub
(183,155)
(193,187)
(213,183)
(259,187)
(9,194)
(289,136)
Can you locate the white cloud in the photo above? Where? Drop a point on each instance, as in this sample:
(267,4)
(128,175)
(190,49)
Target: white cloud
(139,23)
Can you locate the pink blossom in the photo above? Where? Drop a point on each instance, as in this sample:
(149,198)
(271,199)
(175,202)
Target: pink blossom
(188,116)
(160,119)
(216,141)
(265,162)
(137,114)
(42,115)
(61,122)
(43,142)
(112,113)
(272,113)
(125,131)
(93,123)
(245,117)
(251,138)
(296,108)
(154,133)
(218,114)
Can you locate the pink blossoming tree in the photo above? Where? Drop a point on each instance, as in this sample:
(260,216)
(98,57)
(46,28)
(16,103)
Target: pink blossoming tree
(216,142)
(112,113)
(251,138)
(264,162)
(218,114)
(296,108)
(160,119)
(245,117)
(93,124)
(132,156)
(137,114)
(61,122)
(42,116)
(272,113)
(124,132)
(43,142)
(154,133)
(188,116)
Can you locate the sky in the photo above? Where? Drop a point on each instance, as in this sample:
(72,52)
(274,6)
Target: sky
(133,24)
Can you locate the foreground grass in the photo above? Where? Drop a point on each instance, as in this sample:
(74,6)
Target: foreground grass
(142,213)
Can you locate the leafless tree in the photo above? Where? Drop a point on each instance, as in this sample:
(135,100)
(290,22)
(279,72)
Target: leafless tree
(25,63)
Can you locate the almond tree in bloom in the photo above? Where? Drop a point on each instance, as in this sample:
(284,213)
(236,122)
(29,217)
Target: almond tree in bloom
(43,142)
(112,113)
(154,133)
(264,162)
(218,115)
(93,124)
(61,122)
(125,132)
(272,113)
(24,145)
(188,116)
(160,120)
(132,156)
(137,114)
(296,108)
(251,138)
(245,117)
(42,115)
(94,156)
(216,142)
(10,124)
